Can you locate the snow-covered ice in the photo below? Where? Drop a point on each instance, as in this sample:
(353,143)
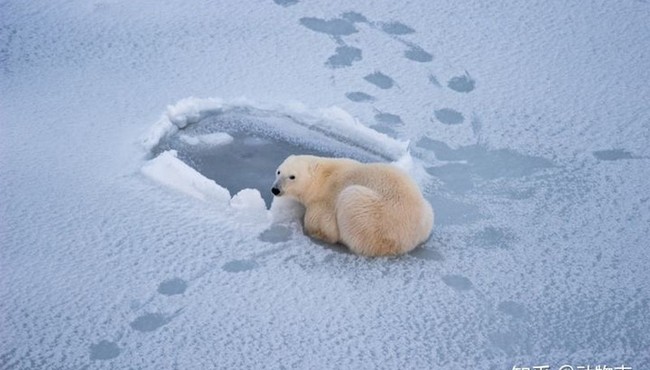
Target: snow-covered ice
(217,138)
(138,142)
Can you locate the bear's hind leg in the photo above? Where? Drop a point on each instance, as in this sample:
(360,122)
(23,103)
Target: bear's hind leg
(361,219)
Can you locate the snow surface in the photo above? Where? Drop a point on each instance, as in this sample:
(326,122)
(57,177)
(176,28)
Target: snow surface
(123,246)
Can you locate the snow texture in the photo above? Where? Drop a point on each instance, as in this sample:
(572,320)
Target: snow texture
(135,239)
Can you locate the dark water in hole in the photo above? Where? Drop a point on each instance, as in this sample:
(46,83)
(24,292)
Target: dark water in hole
(247,162)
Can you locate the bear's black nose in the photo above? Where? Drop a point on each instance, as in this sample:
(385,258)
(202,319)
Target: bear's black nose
(275,191)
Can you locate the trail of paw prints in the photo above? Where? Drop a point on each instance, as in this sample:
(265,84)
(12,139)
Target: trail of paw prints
(346,55)
(509,337)
(413,51)
(346,24)
(149,321)
(461,84)
(144,322)
(275,234)
(385,122)
(513,316)
(464,83)
(394,29)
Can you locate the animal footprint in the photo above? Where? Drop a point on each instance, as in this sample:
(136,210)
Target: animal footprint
(286,3)
(396,28)
(388,118)
(151,321)
(336,27)
(449,116)
(172,287)
(344,57)
(464,83)
(380,80)
(344,54)
(360,97)
(613,155)
(239,265)
(275,234)
(417,54)
(354,17)
(386,123)
(426,254)
(457,282)
(104,350)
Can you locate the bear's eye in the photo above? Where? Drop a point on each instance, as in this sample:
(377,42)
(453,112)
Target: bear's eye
(292,177)
(278,172)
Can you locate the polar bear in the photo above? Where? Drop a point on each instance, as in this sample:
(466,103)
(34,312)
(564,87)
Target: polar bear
(374,209)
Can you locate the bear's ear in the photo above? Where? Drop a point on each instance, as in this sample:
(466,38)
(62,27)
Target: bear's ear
(320,169)
(313,168)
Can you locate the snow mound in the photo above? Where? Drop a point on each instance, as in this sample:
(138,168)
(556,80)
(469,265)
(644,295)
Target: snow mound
(170,171)
(248,199)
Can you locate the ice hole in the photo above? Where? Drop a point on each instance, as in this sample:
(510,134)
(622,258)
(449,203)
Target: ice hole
(253,142)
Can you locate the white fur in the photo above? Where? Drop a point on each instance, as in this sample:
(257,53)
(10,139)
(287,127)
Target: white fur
(374,209)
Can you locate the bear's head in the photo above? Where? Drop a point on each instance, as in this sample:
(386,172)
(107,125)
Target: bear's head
(294,176)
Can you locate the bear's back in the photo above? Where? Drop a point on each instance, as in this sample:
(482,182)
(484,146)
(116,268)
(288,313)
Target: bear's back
(391,183)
